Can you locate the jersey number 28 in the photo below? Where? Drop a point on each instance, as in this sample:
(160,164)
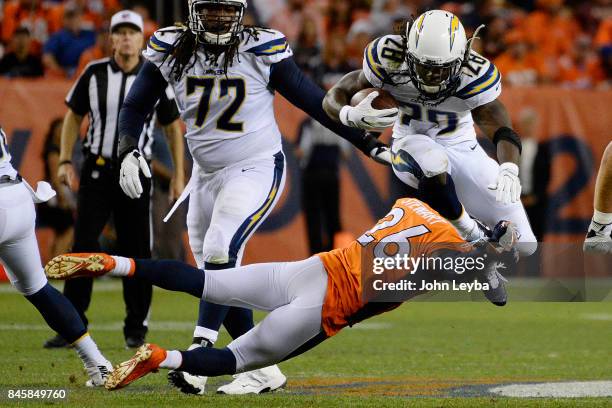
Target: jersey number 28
(208,84)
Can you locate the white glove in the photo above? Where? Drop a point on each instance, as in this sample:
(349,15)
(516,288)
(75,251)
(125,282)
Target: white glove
(364,116)
(129,178)
(382,155)
(508,184)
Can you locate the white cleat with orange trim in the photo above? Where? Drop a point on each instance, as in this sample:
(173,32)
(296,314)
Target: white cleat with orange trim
(70,266)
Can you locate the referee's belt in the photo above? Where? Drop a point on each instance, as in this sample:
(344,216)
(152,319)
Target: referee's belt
(102,161)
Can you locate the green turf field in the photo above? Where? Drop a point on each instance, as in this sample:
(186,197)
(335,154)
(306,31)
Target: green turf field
(422,354)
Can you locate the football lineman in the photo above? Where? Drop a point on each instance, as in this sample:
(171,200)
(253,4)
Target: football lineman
(20,255)
(442,88)
(308,301)
(224,75)
(599,236)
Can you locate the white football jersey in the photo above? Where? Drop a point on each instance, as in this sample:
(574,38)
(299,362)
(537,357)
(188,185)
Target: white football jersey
(449,122)
(229,117)
(6,169)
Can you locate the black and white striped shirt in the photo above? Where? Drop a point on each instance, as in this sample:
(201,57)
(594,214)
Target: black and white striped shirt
(100,92)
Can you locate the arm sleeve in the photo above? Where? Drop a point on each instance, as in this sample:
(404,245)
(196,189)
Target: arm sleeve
(167,111)
(148,88)
(78,97)
(290,82)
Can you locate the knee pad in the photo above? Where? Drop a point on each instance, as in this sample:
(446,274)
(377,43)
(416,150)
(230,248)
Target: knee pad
(216,247)
(417,157)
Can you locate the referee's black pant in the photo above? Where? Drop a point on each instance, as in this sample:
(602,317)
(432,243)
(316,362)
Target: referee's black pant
(99,197)
(321,204)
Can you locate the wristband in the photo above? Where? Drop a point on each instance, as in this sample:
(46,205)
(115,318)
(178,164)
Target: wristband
(509,135)
(65,162)
(127,145)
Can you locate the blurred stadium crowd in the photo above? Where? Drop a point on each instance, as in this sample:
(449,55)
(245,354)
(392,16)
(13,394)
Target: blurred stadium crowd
(565,42)
(57,38)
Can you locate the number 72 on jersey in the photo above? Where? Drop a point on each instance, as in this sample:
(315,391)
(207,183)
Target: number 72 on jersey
(224,87)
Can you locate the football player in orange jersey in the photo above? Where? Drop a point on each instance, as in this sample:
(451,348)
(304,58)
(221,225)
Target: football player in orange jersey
(308,301)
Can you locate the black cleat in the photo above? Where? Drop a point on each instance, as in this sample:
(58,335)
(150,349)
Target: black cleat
(134,341)
(56,342)
(178,380)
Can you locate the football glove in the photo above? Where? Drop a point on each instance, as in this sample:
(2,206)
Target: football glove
(508,186)
(131,166)
(364,116)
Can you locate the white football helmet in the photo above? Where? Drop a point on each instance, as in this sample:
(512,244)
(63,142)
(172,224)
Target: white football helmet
(212,25)
(437,48)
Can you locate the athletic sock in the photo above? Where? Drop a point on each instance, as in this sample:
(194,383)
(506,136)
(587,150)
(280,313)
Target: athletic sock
(464,224)
(58,312)
(171,275)
(123,267)
(238,321)
(211,315)
(440,193)
(173,360)
(208,361)
(602,218)
(88,351)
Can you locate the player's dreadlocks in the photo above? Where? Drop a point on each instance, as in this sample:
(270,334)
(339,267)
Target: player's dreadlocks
(183,53)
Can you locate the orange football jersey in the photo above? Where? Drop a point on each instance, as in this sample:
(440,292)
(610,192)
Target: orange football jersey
(411,221)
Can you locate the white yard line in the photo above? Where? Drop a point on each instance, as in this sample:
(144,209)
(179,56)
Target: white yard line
(575,389)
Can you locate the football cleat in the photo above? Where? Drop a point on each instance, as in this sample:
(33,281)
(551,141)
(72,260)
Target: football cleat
(265,379)
(188,383)
(598,238)
(98,373)
(146,360)
(496,293)
(502,239)
(70,266)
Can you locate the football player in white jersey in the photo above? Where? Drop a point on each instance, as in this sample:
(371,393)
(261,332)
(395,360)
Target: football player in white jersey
(224,75)
(442,88)
(20,256)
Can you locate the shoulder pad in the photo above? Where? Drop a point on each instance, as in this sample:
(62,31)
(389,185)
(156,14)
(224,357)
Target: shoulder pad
(163,39)
(266,42)
(478,76)
(384,55)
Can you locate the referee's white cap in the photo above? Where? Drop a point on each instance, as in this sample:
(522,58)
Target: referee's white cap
(127,17)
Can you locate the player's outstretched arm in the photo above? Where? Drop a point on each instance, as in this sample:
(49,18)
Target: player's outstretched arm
(494,121)
(147,89)
(297,88)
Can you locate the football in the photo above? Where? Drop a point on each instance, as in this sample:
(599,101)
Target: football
(384,100)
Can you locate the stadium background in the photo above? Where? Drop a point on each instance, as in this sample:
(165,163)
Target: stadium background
(555,58)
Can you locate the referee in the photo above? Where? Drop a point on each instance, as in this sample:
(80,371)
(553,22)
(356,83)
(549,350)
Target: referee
(99,93)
